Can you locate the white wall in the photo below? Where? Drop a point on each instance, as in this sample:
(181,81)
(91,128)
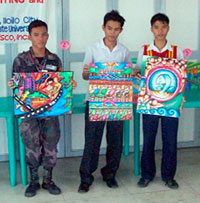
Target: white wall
(136,29)
(184,25)
(86,18)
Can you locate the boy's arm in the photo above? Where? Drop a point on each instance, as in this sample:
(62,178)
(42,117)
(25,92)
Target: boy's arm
(182,103)
(85,73)
(15,69)
(10,83)
(60,67)
(139,59)
(139,63)
(17,64)
(87,60)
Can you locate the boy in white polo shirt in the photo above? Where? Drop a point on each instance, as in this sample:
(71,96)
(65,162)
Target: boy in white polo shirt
(105,50)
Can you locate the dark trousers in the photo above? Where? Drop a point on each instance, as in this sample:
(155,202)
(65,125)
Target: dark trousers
(93,137)
(169,148)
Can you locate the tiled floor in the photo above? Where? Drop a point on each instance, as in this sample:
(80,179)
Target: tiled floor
(67,177)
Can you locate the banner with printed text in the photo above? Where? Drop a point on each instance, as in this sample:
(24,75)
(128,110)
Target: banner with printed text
(16,15)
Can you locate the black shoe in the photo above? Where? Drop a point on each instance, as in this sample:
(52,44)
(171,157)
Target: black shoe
(143,182)
(171,183)
(84,187)
(112,183)
(34,185)
(51,187)
(48,184)
(31,190)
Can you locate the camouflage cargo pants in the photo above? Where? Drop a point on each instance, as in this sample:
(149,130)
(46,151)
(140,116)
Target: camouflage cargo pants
(40,137)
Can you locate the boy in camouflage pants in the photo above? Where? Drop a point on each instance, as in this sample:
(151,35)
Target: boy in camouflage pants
(40,135)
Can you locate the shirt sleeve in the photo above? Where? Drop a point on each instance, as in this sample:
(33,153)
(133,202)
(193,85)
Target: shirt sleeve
(127,56)
(88,56)
(16,68)
(139,59)
(60,67)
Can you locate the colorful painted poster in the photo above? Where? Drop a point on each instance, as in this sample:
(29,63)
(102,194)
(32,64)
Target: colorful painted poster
(161,86)
(135,83)
(135,89)
(193,76)
(110,91)
(42,94)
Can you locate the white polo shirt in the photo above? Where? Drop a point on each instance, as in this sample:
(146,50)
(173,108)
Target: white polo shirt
(99,52)
(154,48)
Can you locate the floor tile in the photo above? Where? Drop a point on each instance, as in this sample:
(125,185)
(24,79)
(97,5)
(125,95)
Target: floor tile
(66,176)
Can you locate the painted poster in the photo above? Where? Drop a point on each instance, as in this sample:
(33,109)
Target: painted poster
(42,94)
(110,91)
(135,83)
(16,15)
(161,86)
(193,76)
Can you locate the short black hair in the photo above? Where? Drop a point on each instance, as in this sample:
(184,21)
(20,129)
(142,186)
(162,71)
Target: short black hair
(159,17)
(115,16)
(36,23)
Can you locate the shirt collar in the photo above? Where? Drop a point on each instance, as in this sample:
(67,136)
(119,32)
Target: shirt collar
(102,44)
(154,48)
(36,61)
(46,52)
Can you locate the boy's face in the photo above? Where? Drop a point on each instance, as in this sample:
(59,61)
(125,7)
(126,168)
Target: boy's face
(160,30)
(39,37)
(112,29)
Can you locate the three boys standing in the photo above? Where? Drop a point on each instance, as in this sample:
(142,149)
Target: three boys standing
(41,136)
